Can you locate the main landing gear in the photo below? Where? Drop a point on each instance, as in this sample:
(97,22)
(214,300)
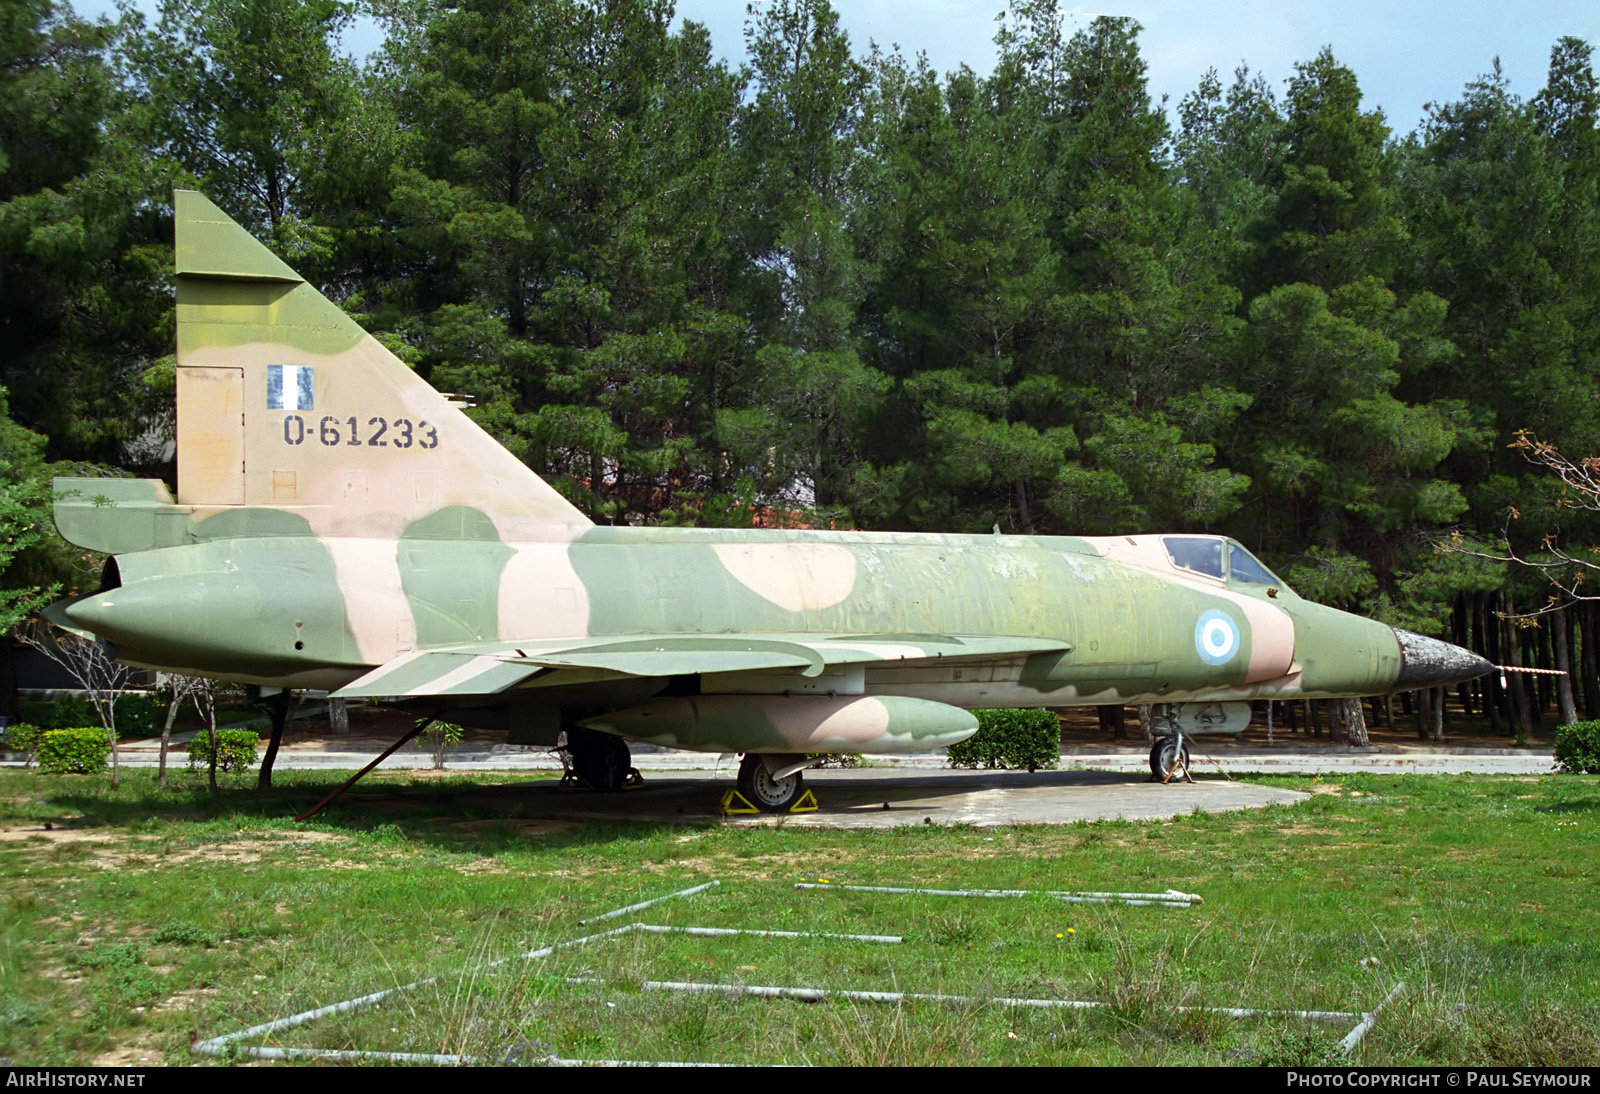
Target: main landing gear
(761,786)
(599,761)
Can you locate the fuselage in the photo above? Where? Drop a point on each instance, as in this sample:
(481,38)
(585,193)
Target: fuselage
(303,611)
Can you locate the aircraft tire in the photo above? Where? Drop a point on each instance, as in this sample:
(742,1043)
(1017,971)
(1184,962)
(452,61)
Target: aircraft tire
(1163,758)
(764,792)
(602,761)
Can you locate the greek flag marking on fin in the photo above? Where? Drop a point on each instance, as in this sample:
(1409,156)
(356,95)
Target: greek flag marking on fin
(289,387)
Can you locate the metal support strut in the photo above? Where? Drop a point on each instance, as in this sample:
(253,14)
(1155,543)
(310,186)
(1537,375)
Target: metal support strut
(384,755)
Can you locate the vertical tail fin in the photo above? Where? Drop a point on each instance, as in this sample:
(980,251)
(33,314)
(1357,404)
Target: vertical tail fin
(285,402)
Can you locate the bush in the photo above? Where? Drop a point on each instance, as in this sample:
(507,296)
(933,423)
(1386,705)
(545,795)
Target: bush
(1578,748)
(236,750)
(139,716)
(439,738)
(73,751)
(1011,738)
(181,932)
(23,738)
(67,714)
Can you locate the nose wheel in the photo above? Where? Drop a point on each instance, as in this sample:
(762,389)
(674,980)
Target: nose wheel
(766,792)
(1169,759)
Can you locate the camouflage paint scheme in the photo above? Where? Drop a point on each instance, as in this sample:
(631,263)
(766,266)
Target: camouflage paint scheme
(342,525)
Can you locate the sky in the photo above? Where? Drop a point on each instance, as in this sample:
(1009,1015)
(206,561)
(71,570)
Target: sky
(1405,53)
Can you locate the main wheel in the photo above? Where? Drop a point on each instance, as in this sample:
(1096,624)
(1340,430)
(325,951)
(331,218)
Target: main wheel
(763,791)
(1164,756)
(600,760)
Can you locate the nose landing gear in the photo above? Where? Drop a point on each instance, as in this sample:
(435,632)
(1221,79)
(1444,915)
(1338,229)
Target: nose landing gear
(1169,759)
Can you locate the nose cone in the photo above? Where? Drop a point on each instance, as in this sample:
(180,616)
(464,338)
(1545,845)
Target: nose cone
(1430,663)
(91,613)
(214,623)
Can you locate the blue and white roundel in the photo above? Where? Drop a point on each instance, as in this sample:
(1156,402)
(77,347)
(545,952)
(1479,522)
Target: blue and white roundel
(1216,637)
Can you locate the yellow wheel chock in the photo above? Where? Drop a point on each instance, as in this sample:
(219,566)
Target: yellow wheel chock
(735,804)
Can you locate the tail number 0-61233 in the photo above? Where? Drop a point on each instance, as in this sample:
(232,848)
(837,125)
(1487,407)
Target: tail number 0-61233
(378,432)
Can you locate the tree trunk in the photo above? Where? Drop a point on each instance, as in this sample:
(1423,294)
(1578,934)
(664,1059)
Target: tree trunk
(1534,687)
(1511,650)
(1575,646)
(1563,654)
(1424,713)
(1344,716)
(1540,641)
(1145,720)
(1491,684)
(210,698)
(338,717)
(1115,717)
(1590,659)
(166,734)
(10,703)
(278,711)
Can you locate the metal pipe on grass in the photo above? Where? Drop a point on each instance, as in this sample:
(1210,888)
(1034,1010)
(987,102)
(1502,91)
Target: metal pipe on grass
(218,1046)
(817,995)
(647,903)
(1169,899)
(716,932)
(1368,1020)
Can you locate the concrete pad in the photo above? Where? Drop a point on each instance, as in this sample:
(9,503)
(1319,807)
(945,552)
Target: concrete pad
(858,799)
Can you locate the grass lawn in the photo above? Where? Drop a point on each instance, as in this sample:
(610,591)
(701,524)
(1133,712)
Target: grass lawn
(145,919)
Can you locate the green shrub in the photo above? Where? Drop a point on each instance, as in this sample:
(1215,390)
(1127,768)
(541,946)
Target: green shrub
(68,714)
(1011,738)
(23,738)
(73,751)
(236,750)
(1578,748)
(139,716)
(439,738)
(184,933)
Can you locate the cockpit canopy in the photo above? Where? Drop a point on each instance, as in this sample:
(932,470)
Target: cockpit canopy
(1218,557)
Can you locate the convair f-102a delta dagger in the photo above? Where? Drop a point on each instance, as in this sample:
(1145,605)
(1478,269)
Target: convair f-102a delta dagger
(340,525)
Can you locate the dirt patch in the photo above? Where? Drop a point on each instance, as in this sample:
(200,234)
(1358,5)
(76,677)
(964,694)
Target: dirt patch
(483,866)
(240,851)
(54,834)
(1302,830)
(129,1056)
(529,828)
(135,854)
(183,1000)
